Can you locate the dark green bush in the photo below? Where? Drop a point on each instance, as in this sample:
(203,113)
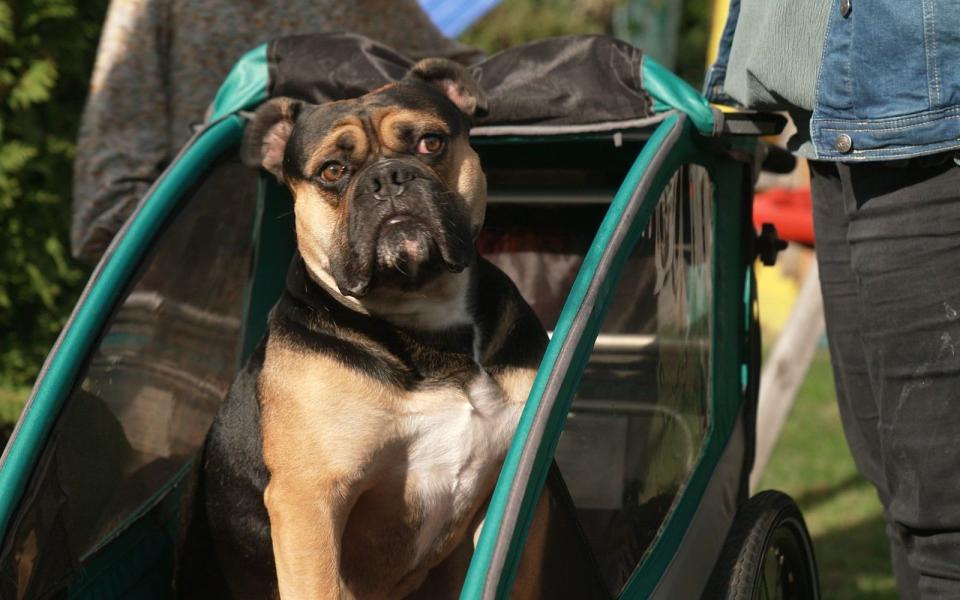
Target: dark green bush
(47,49)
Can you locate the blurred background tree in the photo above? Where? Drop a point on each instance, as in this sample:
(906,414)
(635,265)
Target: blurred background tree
(682,47)
(47,49)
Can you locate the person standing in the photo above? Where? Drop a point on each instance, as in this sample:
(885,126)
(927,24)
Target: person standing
(875,91)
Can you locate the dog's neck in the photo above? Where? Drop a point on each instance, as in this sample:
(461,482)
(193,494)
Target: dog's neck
(316,314)
(441,304)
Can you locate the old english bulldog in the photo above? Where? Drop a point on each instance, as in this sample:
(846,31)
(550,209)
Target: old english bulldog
(356,451)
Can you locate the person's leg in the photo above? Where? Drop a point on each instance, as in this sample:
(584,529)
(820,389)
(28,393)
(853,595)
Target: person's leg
(838,284)
(859,411)
(904,241)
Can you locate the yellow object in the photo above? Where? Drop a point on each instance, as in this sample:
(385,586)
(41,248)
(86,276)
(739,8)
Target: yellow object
(719,19)
(777,293)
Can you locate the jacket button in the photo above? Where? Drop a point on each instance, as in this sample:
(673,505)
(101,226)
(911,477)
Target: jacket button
(843,143)
(845,7)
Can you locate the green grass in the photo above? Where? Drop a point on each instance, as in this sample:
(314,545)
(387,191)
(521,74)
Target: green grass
(812,464)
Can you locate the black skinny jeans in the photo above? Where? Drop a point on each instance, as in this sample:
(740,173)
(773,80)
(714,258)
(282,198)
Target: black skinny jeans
(888,247)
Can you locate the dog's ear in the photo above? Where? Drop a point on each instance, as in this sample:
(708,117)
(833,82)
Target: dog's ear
(454,81)
(266,136)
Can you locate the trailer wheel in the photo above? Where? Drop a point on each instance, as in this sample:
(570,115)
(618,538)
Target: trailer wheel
(767,555)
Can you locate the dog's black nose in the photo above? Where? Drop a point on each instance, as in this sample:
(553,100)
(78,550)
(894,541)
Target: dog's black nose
(387,179)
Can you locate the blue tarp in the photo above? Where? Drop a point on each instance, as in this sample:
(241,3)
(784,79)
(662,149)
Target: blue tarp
(453,17)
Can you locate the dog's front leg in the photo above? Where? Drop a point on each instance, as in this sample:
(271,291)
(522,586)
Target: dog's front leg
(307,528)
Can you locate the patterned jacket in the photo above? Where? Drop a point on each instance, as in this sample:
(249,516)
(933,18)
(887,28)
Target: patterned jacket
(158,67)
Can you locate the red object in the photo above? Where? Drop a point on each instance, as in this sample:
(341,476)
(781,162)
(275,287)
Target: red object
(790,211)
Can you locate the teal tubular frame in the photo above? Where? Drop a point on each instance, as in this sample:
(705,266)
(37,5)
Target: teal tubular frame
(670,92)
(491,576)
(524,472)
(245,87)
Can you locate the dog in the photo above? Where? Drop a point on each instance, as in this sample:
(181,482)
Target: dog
(356,451)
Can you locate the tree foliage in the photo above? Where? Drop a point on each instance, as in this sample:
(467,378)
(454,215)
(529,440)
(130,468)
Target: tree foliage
(694,37)
(517,21)
(47,49)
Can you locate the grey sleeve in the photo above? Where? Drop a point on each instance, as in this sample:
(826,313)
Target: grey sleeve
(123,141)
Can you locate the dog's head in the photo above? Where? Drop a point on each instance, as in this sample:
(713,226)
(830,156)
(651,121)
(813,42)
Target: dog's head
(387,190)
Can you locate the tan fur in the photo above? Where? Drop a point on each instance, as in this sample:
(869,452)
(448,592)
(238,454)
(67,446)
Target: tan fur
(351,127)
(317,221)
(516,383)
(331,440)
(467,178)
(316,463)
(391,120)
(530,572)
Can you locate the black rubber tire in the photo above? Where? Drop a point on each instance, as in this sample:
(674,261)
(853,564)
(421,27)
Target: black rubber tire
(767,554)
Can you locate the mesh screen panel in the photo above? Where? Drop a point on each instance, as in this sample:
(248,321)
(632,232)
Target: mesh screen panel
(149,391)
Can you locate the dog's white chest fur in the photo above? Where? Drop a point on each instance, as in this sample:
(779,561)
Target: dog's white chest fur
(458,438)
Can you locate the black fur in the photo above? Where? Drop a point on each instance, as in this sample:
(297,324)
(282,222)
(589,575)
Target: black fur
(437,215)
(229,538)
(283,137)
(227,552)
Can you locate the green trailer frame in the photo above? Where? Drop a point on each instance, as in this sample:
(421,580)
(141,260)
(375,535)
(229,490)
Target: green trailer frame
(135,560)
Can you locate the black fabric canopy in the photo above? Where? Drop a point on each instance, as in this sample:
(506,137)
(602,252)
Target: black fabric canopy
(551,84)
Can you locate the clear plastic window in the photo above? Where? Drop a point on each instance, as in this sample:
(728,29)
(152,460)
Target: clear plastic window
(639,418)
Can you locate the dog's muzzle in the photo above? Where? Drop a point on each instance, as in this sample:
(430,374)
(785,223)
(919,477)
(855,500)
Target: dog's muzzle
(405,227)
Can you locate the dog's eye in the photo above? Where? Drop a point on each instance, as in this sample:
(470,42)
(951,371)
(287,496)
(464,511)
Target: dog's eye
(431,143)
(332,171)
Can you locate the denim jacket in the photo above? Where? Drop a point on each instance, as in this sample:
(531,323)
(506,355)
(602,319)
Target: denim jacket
(889,79)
